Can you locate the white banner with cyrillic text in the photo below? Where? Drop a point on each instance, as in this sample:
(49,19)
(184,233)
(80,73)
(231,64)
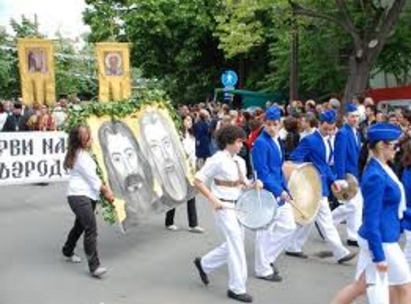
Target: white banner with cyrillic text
(32,157)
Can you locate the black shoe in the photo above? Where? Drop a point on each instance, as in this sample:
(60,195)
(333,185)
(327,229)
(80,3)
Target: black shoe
(242,297)
(272,277)
(324,254)
(347,258)
(352,243)
(203,275)
(275,269)
(300,254)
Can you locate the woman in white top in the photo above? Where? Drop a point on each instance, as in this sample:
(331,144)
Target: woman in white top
(189,145)
(84,189)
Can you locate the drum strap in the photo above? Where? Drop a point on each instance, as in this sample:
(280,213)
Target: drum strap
(232,184)
(228,201)
(225,183)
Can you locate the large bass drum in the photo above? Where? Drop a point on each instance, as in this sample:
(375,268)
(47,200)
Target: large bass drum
(256,209)
(304,184)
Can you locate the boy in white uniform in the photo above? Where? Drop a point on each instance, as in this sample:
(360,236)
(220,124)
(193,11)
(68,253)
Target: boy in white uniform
(227,172)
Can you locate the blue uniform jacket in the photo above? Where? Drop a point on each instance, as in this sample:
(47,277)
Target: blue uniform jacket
(406,181)
(382,197)
(203,138)
(268,163)
(312,149)
(347,148)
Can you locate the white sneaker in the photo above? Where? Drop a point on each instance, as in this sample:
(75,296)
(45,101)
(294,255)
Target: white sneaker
(73,259)
(196,229)
(99,272)
(172,227)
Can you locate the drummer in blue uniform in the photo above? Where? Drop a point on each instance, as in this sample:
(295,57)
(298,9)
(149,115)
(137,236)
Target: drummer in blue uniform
(317,149)
(378,236)
(268,158)
(347,148)
(228,176)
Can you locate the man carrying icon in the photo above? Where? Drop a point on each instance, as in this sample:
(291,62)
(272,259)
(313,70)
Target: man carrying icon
(268,158)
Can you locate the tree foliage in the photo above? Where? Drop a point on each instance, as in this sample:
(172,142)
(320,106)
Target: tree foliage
(172,40)
(75,69)
(395,58)
(185,45)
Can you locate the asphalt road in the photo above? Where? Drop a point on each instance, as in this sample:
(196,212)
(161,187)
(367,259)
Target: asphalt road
(149,265)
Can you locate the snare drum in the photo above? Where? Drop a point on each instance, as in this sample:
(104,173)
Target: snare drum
(256,209)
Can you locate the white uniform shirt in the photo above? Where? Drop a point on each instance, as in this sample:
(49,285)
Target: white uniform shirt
(277,143)
(84,180)
(355,135)
(327,141)
(222,166)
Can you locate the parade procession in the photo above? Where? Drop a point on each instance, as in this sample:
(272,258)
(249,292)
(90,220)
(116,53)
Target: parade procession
(187,151)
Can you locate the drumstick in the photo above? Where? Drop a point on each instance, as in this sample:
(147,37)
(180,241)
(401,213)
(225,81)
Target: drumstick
(231,207)
(258,190)
(298,209)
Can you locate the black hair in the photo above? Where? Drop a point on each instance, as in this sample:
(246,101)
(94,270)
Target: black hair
(190,130)
(372,108)
(227,135)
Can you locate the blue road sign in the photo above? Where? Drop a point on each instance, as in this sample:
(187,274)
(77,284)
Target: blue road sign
(228,96)
(229,78)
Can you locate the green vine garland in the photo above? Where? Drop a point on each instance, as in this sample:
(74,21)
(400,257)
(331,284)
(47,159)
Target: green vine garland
(78,114)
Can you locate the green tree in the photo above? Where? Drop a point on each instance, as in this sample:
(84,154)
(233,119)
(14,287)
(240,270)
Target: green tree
(395,58)
(8,62)
(75,69)
(9,68)
(367,23)
(186,44)
(172,40)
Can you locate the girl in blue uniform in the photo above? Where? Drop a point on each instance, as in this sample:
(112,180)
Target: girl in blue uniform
(384,204)
(406,181)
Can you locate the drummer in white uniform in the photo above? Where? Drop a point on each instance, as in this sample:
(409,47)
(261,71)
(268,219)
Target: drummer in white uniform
(227,173)
(268,158)
(384,204)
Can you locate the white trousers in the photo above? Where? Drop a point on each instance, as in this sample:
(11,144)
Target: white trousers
(398,271)
(351,212)
(271,242)
(325,222)
(407,247)
(231,251)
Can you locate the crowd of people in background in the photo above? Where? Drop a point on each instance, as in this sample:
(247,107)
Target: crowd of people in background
(17,117)
(299,120)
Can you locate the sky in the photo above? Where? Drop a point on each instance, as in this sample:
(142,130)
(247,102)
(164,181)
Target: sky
(53,15)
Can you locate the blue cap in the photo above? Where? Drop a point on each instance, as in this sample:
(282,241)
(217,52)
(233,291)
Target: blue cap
(383,131)
(328,116)
(273,113)
(350,108)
